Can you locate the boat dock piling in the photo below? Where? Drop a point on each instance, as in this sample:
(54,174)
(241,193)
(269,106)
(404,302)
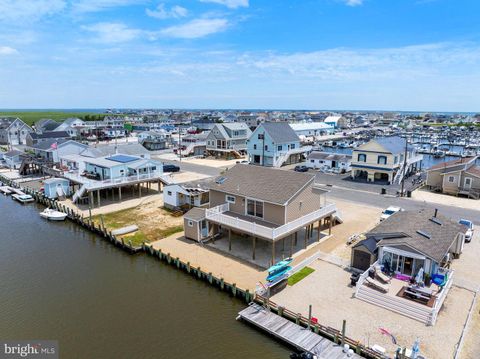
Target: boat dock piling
(302,333)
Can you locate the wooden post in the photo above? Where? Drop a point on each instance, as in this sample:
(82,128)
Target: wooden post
(229,240)
(291,245)
(318,231)
(344,327)
(98,198)
(90,214)
(273,253)
(253,252)
(296,238)
(306,237)
(309,316)
(139,190)
(119,193)
(103,223)
(330,225)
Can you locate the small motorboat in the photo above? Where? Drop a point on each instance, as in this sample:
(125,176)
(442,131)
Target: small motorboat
(23,198)
(53,215)
(279,274)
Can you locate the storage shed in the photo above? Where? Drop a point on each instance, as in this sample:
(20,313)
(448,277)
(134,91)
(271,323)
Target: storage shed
(56,188)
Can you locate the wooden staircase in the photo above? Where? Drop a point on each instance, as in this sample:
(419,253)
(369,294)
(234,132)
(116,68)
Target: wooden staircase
(413,310)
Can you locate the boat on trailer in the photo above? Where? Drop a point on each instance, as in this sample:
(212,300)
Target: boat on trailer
(53,215)
(23,198)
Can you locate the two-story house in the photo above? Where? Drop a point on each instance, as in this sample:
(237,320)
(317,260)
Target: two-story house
(13,131)
(73,126)
(458,177)
(261,203)
(36,138)
(228,139)
(274,144)
(383,159)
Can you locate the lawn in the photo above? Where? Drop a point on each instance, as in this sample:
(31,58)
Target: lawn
(297,277)
(153,223)
(30,117)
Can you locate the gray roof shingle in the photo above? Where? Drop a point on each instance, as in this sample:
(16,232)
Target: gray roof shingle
(280,132)
(407,223)
(263,183)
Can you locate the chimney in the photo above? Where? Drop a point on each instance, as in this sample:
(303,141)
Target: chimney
(436,211)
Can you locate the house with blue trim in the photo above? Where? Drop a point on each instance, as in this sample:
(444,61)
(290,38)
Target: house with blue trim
(274,144)
(383,160)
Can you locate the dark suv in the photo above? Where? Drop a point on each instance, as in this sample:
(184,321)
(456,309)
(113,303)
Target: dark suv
(301,168)
(170,168)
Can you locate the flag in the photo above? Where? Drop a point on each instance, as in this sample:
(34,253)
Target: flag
(53,146)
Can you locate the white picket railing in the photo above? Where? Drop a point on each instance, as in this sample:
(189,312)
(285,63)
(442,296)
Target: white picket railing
(217,214)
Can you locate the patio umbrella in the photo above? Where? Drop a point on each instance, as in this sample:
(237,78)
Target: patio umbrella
(419,277)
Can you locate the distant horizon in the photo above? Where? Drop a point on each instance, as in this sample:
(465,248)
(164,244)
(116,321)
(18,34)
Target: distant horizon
(102,109)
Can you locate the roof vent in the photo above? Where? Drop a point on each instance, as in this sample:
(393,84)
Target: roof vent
(220,180)
(424,234)
(436,220)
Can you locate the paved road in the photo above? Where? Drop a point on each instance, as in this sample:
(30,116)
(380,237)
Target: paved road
(409,204)
(192,167)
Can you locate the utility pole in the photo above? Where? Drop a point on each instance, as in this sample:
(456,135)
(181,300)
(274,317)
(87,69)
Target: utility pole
(179,145)
(404,166)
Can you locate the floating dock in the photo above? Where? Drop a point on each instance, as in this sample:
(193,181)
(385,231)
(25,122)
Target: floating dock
(299,337)
(5,190)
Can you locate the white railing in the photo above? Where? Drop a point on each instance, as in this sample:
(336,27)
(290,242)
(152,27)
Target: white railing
(216,214)
(284,156)
(93,184)
(441,298)
(363,277)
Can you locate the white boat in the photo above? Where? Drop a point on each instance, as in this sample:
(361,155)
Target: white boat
(23,198)
(53,215)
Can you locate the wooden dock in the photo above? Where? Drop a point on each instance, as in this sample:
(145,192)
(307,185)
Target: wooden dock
(299,337)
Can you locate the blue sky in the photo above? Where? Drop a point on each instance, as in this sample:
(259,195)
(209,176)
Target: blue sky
(306,54)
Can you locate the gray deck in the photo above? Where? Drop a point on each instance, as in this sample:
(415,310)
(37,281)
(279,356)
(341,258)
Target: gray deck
(295,335)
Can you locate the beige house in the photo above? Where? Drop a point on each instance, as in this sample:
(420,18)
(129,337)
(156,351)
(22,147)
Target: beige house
(457,177)
(383,159)
(261,203)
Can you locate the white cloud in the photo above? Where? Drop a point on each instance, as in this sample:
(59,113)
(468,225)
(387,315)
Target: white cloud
(6,50)
(353,2)
(113,32)
(162,13)
(196,28)
(85,6)
(234,4)
(31,10)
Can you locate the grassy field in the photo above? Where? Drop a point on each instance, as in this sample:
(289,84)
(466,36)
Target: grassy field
(153,223)
(297,277)
(30,117)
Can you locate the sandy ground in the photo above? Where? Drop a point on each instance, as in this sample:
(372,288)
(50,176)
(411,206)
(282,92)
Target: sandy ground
(180,177)
(210,162)
(471,344)
(445,199)
(357,219)
(330,284)
(232,270)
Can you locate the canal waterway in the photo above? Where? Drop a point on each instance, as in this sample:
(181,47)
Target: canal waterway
(60,282)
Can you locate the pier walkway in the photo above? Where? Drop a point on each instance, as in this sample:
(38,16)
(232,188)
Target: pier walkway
(301,338)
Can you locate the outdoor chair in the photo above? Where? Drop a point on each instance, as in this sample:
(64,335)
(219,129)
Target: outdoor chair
(380,275)
(377,285)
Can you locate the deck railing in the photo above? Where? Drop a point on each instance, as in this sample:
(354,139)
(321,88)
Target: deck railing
(217,214)
(93,184)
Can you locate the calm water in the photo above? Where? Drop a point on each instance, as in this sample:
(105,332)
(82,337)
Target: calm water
(62,283)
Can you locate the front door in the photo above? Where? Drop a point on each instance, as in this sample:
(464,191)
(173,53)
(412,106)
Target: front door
(468,183)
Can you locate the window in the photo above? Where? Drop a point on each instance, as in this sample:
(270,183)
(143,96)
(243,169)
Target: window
(362,157)
(292,146)
(468,182)
(382,160)
(266,147)
(279,148)
(255,208)
(230,199)
(169,193)
(395,160)
(190,223)
(260,136)
(255,147)
(451,179)
(312,161)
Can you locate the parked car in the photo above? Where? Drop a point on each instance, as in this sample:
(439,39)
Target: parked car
(170,168)
(470,229)
(390,211)
(244,162)
(301,168)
